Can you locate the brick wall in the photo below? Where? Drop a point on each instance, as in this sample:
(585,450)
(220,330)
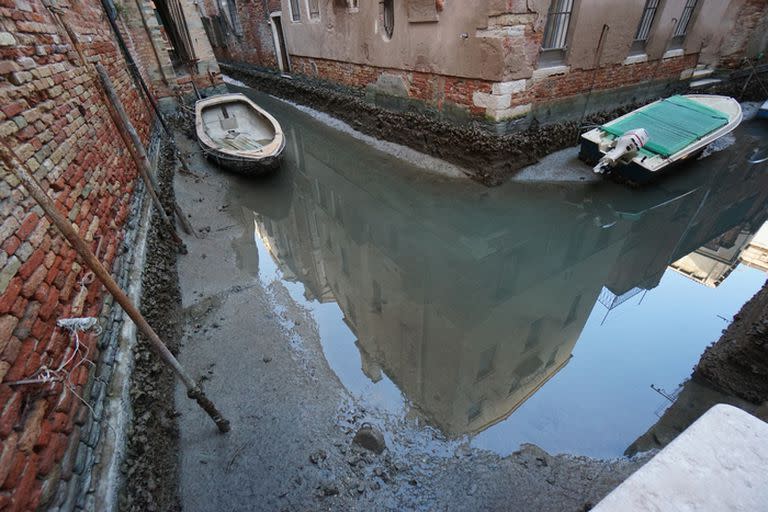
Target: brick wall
(751,17)
(255,45)
(54,117)
(439,90)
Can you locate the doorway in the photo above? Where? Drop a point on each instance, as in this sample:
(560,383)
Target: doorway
(281,52)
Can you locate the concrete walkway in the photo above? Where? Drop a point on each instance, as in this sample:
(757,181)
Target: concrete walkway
(718,463)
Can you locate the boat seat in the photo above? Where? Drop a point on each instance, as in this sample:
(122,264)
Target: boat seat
(228,123)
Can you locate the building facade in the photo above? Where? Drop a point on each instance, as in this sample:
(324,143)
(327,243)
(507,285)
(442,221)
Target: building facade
(498,59)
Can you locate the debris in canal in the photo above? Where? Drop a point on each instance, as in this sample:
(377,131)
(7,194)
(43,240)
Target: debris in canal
(370,438)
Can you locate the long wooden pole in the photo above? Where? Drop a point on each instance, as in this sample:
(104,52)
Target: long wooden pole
(135,147)
(55,12)
(36,191)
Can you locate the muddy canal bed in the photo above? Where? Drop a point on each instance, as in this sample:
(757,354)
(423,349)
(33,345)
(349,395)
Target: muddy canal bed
(466,324)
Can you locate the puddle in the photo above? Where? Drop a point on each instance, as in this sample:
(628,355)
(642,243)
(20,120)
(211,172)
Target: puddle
(521,314)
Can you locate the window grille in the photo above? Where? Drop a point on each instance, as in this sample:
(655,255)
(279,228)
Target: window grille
(295,10)
(314,8)
(685,19)
(389,17)
(646,21)
(556,30)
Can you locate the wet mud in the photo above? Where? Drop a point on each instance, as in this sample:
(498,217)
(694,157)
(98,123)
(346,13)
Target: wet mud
(151,461)
(738,362)
(489,158)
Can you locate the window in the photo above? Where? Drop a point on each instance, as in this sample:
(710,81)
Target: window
(388,16)
(556,31)
(295,10)
(376,303)
(313,6)
(534,333)
(644,28)
(485,366)
(230,13)
(475,409)
(685,22)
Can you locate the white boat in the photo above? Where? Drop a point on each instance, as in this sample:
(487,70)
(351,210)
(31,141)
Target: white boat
(642,144)
(236,133)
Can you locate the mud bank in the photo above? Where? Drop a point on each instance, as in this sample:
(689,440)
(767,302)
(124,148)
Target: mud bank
(488,158)
(738,362)
(150,466)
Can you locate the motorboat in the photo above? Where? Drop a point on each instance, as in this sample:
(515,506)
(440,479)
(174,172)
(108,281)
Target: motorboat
(644,143)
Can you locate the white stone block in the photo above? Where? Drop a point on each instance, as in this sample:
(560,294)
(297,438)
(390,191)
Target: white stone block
(719,463)
(686,74)
(7,39)
(513,87)
(491,101)
(671,54)
(509,113)
(636,59)
(550,71)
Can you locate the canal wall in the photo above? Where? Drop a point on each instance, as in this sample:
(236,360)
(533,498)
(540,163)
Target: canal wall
(54,117)
(738,362)
(487,157)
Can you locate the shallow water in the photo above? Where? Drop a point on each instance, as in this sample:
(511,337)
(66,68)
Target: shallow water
(523,313)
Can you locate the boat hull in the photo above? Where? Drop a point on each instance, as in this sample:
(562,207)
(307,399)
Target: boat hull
(632,172)
(244,166)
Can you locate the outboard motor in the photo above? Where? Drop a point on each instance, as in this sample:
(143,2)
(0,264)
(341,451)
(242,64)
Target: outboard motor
(624,147)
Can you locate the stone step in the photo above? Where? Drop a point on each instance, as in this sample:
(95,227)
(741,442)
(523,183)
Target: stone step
(701,73)
(704,82)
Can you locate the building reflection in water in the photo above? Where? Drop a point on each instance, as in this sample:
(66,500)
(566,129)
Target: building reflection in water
(470,300)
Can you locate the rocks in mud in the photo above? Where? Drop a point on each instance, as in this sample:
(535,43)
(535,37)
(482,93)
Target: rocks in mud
(318,457)
(370,439)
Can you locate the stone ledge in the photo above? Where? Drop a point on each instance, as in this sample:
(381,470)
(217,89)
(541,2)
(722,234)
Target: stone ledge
(718,463)
(671,54)
(635,59)
(550,71)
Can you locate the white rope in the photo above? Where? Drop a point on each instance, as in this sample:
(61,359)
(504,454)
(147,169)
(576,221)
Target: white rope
(44,374)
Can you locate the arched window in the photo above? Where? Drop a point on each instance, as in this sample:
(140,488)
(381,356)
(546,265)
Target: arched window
(389,17)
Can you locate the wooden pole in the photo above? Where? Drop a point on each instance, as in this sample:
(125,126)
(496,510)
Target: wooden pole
(65,227)
(185,224)
(136,148)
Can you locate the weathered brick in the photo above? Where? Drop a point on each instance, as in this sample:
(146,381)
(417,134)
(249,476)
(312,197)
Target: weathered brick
(8,228)
(7,325)
(8,271)
(34,281)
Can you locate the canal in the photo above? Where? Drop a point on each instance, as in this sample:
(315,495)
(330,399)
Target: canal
(558,315)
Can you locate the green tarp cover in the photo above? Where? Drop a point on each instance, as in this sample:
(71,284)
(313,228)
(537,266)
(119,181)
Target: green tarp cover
(672,124)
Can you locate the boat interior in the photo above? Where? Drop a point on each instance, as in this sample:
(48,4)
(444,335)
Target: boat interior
(237,126)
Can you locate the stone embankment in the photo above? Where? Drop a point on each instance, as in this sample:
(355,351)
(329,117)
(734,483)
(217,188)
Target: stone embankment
(487,157)
(738,362)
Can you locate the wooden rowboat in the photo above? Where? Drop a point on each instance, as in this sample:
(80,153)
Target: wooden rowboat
(640,145)
(237,134)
